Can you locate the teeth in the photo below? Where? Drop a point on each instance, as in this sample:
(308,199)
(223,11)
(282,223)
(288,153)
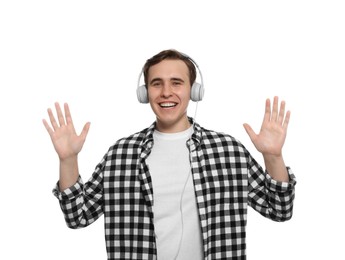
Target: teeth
(168,104)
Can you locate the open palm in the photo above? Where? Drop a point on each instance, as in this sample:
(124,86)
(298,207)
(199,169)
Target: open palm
(271,137)
(62,133)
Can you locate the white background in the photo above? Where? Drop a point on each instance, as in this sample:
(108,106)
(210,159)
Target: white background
(90,53)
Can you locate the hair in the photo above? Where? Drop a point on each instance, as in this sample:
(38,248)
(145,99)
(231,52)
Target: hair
(170,54)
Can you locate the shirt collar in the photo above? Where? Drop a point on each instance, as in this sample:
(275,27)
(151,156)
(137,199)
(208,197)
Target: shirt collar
(196,136)
(197,131)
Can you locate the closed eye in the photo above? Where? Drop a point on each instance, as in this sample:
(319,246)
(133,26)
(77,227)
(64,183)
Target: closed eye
(156,82)
(177,82)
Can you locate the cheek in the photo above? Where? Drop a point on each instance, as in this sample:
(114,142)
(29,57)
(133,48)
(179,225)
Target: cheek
(151,93)
(182,91)
(185,94)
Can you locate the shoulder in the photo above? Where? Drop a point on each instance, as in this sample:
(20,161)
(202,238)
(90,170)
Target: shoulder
(211,135)
(131,143)
(211,138)
(133,140)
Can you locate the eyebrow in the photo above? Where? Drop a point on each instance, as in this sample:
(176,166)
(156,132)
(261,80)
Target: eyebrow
(155,80)
(177,79)
(160,79)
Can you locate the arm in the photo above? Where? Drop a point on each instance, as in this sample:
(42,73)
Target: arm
(67,144)
(272,199)
(271,138)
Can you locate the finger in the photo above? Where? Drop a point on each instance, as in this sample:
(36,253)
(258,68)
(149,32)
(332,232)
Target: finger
(267,115)
(249,131)
(281,113)
(52,119)
(275,109)
(85,131)
(59,114)
(68,115)
(287,120)
(46,125)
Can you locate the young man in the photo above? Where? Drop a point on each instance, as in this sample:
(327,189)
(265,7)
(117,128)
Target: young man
(175,190)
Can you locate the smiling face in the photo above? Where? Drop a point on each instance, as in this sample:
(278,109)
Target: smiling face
(169,94)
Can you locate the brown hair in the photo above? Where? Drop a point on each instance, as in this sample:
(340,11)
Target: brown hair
(170,55)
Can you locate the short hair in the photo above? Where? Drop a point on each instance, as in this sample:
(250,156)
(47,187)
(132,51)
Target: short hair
(170,54)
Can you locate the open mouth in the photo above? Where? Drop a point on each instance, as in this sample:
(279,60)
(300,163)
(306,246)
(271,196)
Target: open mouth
(167,104)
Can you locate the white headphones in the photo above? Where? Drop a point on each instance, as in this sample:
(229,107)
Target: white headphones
(196,94)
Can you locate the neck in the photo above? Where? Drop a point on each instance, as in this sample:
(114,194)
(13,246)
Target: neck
(173,127)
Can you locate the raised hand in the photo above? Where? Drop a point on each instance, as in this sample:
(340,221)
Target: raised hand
(271,137)
(66,142)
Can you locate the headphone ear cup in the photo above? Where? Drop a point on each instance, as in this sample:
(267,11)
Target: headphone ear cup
(197,92)
(142,94)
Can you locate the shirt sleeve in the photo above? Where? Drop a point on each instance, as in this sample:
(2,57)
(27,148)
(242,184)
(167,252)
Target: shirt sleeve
(82,204)
(271,198)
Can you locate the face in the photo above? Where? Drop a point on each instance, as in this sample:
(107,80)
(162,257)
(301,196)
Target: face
(169,94)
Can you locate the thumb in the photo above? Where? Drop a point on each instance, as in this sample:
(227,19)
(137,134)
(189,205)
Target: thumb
(85,130)
(249,131)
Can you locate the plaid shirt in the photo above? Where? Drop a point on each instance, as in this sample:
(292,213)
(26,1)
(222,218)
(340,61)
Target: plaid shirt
(226,180)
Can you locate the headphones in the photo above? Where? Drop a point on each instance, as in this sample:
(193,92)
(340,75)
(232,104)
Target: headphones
(196,94)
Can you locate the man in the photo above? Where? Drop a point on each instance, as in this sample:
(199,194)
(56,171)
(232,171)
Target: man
(175,190)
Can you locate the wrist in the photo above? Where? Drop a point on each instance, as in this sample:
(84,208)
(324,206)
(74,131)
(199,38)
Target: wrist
(273,158)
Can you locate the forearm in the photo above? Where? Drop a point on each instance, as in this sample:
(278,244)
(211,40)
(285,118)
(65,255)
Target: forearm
(276,168)
(69,172)
(271,194)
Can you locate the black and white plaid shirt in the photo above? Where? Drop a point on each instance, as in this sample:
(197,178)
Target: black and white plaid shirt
(226,180)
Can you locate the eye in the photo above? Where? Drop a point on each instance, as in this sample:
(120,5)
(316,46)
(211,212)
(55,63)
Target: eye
(156,84)
(176,83)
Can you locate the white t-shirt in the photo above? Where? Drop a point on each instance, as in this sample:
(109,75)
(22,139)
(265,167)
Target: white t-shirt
(176,220)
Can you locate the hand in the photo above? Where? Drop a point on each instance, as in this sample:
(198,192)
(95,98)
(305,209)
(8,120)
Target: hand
(66,142)
(273,130)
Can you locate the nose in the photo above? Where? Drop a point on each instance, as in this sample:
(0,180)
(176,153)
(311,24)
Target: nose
(166,90)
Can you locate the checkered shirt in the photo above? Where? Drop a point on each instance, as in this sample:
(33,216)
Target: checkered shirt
(226,180)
